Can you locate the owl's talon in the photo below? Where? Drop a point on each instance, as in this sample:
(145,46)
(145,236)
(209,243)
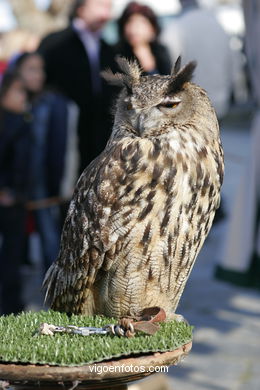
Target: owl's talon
(125,328)
(119,331)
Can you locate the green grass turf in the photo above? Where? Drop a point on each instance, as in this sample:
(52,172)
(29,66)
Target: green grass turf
(19,341)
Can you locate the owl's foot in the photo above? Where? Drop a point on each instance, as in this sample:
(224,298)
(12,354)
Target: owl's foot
(125,328)
(146,322)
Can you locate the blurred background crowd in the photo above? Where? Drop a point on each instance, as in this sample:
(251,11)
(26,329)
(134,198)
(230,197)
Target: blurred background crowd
(55,112)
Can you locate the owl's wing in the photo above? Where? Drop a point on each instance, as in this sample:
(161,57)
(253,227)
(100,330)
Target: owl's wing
(89,238)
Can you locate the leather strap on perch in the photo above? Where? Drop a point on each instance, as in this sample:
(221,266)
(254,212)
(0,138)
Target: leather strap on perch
(145,323)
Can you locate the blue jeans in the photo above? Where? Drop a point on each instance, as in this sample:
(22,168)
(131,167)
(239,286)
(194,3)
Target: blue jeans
(48,227)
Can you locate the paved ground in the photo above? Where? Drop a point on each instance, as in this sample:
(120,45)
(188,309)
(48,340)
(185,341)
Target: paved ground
(226,349)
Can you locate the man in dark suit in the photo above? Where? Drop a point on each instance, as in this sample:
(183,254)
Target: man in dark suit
(74,58)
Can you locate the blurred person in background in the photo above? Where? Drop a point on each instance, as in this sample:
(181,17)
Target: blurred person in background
(50,135)
(241,256)
(197,35)
(15,143)
(138,29)
(74,58)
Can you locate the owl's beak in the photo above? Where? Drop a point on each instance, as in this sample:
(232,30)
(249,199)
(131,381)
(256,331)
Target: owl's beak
(141,119)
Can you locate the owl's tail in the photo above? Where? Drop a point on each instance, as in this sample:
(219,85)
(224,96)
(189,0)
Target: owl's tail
(49,284)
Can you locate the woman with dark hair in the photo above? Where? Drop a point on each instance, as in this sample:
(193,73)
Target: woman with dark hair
(15,141)
(138,30)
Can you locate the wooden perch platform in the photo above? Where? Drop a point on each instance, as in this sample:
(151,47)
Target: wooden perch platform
(112,374)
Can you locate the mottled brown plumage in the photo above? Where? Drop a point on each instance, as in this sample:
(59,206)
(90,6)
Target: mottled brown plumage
(142,209)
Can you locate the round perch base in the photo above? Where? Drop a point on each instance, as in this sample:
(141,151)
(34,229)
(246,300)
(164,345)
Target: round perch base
(105,375)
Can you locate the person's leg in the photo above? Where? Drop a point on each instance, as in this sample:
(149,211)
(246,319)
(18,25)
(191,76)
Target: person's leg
(48,227)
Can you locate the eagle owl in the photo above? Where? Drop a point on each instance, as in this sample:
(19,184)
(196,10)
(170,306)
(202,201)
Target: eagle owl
(143,208)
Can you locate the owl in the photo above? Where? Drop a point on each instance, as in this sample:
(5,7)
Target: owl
(143,208)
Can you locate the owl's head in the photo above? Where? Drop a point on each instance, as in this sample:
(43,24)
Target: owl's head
(151,105)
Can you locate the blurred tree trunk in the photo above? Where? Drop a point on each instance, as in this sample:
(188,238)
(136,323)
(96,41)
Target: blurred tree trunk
(40,22)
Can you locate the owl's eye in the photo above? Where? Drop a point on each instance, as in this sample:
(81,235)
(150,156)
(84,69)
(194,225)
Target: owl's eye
(169,103)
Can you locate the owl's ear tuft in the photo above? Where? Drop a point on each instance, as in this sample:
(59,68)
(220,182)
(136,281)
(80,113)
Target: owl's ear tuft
(176,67)
(131,69)
(130,75)
(183,76)
(117,79)
(113,78)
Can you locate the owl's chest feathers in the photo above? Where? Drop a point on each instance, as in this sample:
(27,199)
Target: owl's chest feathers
(161,164)
(152,180)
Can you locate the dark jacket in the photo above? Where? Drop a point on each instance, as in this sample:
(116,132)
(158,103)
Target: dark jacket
(32,152)
(49,137)
(160,52)
(68,69)
(15,144)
